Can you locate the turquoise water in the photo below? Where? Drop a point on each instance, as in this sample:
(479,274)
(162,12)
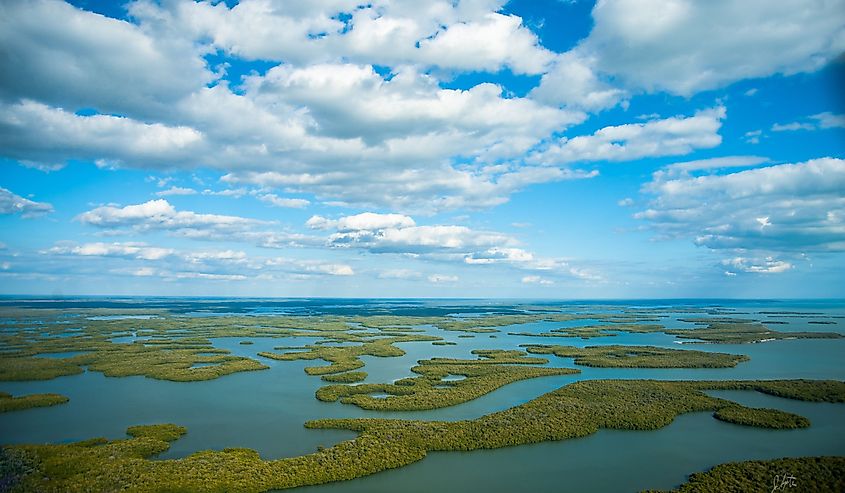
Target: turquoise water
(265,410)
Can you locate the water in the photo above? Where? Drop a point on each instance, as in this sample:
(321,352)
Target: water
(265,410)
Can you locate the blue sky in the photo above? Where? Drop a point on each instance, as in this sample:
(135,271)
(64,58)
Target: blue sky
(541,149)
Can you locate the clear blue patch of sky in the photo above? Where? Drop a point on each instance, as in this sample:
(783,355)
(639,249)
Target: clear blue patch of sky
(235,68)
(108,8)
(560,24)
(514,85)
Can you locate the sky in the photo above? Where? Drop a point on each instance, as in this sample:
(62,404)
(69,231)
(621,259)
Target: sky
(564,149)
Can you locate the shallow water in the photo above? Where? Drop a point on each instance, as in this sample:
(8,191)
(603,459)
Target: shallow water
(265,410)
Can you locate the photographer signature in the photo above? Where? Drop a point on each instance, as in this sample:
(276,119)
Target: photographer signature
(783,481)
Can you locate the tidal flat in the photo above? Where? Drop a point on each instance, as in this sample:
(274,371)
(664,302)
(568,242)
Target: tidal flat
(299,392)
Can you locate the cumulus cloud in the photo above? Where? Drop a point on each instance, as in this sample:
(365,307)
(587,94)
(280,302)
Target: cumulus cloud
(573,82)
(418,239)
(363,221)
(159,214)
(171,263)
(309,267)
(396,234)
(447,35)
(420,190)
(61,55)
(696,45)
(319,121)
(36,132)
(176,191)
(767,265)
(129,250)
(667,137)
(277,201)
(489,43)
(11,203)
(782,208)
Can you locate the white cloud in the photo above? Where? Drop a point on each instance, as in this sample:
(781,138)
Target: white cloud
(829,120)
(277,201)
(782,208)
(11,203)
(572,82)
(537,280)
(130,250)
(397,233)
(815,122)
(490,43)
(309,267)
(176,191)
(448,35)
(349,100)
(442,279)
(33,131)
(698,45)
(683,169)
(420,190)
(668,137)
(63,56)
(176,264)
(228,192)
(753,136)
(419,239)
(400,235)
(500,254)
(364,221)
(226,256)
(159,214)
(767,265)
(318,122)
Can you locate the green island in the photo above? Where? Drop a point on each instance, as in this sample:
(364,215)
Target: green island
(761,417)
(786,474)
(639,356)
(9,403)
(431,390)
(347,358)
(707,330)
(181,348)
(575,410)
(170,348)
(591,331)
(348,377)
